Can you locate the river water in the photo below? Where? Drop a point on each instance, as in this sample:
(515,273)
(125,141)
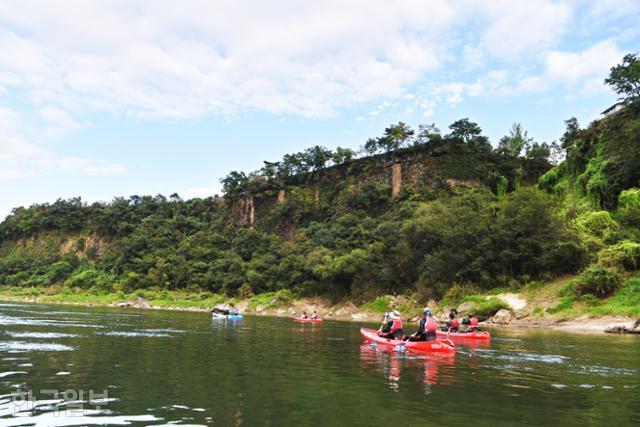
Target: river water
(63,365)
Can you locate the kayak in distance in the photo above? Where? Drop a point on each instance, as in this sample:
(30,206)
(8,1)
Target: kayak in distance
(307,320)
(476,335)
(439,345)
(227,316)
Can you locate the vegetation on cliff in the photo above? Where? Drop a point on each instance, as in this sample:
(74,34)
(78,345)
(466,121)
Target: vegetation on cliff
(419,212)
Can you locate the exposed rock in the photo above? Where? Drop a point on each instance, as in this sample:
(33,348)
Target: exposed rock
(621,330)
(123,304)
(358,316)
(139,303)
(396,179)
(347,310)
(514,301)
(466,307)
(502,317)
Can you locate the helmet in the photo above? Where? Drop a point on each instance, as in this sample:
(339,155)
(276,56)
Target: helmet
(427,311)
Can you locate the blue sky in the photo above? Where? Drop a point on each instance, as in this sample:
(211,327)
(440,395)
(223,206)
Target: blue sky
(113,98)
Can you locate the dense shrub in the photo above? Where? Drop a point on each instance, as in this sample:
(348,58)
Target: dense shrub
(598,281)
(624,255)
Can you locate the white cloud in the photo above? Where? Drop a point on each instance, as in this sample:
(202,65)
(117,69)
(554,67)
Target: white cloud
(575,68)
(161,59)
(57,122)
(518,27)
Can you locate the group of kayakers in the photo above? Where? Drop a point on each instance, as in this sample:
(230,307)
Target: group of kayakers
(313,316)
(233,311)
(427,326)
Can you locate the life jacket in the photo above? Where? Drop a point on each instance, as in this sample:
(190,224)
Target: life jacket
(397,324)
(431,325)
(455,323)
(473,322)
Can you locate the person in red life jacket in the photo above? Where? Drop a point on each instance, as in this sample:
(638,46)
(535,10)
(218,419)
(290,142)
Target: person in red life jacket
(472,324)
(453,325)
(427,327)
(304,315)
(314,315)
(385,328)
(396,332)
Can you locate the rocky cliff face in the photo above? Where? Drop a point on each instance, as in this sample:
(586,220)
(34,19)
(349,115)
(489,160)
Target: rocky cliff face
(405,171)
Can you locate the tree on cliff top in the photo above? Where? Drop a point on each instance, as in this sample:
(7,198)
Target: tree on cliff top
(624,78)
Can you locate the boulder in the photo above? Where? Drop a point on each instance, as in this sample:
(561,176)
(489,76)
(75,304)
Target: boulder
(139,303)
(502,317)
(466,307)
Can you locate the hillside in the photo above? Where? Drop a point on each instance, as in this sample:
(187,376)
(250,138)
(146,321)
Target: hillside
(426,214)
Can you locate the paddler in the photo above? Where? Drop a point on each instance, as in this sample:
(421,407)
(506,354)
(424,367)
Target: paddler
(385,328)
(304,315)
(472,323)
(314,315)
(453,325)
(396,332)
(427,327)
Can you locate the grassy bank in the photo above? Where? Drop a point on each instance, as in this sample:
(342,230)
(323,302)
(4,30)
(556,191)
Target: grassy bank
(536,303)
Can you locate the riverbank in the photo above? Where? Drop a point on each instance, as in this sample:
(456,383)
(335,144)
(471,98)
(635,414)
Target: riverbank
(506,309)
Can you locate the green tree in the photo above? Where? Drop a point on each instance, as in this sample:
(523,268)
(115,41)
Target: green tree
(395,137)
(624,78)
(517,140)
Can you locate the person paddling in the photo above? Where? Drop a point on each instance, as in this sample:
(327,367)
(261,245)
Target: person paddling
(304,315)
(314,315)
(453,325)
(472,324)
(396,331)
(427,327)
(385,328)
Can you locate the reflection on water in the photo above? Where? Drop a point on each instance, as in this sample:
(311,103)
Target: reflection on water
(435,368)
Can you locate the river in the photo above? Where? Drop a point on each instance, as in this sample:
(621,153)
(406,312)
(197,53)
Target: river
(63,365)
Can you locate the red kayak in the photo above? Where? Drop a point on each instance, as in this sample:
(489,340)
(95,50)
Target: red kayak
(477,335)
(306,320)
(439,345)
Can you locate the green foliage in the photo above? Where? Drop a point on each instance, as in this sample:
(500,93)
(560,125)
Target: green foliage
(379,305)
(458,293)
(90,278)
(629,208)
(625,255)
(501,186)
(338,232)
(598,224)
(625,77)
(489,307)
(598,281)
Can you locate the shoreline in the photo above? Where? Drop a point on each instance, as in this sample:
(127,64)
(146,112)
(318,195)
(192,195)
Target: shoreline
(347,312)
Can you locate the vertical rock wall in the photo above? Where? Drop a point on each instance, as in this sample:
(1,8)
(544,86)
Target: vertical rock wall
(396,179)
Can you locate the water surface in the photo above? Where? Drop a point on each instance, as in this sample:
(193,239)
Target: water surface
(74,366)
